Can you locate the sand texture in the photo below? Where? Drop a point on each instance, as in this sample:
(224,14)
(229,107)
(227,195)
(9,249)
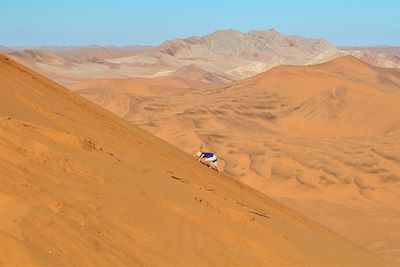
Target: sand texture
(82,187)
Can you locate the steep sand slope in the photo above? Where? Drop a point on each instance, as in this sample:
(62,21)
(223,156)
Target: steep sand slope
(79,186)
(324,139)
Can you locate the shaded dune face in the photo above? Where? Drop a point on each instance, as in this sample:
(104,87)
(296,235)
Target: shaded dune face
(80,186)
(323,139)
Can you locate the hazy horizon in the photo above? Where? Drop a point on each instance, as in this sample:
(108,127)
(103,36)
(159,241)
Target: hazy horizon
(124,23)
(184,37)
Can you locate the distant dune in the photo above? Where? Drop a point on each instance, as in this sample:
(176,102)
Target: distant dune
(343,97)
(322,139)
(195,73)
(120,95)
(67,65)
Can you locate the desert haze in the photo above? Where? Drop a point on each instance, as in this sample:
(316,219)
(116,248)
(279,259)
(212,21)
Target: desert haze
(230,54)
(227,52)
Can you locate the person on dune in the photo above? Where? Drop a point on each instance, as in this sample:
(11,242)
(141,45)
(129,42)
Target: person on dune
(208,158)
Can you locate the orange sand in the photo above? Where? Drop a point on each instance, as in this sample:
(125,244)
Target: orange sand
(79,186)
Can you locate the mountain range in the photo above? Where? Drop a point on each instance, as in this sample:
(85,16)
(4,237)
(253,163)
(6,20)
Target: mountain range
(229,53)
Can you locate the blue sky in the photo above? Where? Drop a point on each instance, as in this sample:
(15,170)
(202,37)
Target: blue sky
(34,23)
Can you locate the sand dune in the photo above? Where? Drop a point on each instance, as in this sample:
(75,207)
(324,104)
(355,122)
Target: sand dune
(323,139)
(194,73)
(82,187)
(344,97)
